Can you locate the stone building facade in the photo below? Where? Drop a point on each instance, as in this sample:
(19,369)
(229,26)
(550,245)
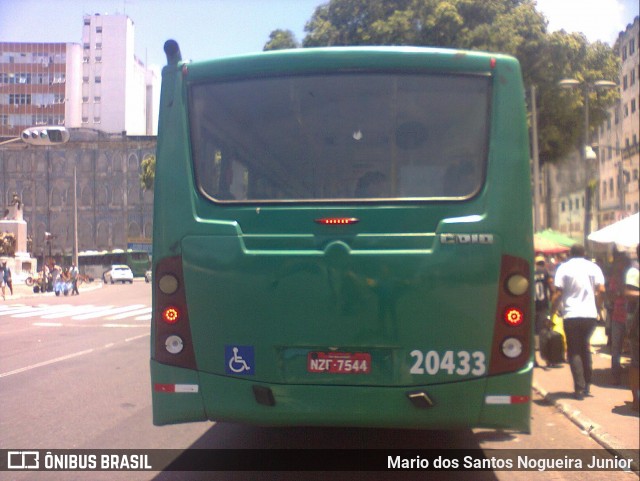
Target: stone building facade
(112,207)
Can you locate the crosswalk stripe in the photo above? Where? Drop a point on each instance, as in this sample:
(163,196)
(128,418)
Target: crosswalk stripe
(145,310)
(106,311)
(44,313)
(75,310)
(35,312)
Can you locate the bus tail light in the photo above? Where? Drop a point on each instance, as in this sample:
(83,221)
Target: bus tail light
(511,345)
(173,342)
(513,316)
(170,315)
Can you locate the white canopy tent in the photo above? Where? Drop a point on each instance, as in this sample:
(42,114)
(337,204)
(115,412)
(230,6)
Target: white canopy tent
(623,233)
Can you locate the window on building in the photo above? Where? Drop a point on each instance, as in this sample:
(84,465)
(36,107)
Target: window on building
(98,79)
(632,46)
(633,105)
(624,82)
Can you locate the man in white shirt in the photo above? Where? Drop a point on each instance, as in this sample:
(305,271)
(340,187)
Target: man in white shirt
(580,288)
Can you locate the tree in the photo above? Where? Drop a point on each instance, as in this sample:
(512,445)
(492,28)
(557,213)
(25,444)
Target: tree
(148,171)
(281,39)
(513,27)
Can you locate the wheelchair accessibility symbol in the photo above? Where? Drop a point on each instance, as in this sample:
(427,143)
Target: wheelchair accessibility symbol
(239,360)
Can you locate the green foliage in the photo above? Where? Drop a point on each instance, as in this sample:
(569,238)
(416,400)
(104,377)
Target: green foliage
(513,27)
(147,171)
(281,39)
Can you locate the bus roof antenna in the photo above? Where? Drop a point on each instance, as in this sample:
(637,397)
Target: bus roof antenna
(172,50)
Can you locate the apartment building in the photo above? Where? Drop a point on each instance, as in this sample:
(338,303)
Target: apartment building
(618,139)
(117,88)
(39,85)
(98,84)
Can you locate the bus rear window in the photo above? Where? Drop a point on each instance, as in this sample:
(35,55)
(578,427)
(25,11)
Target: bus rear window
(343,137)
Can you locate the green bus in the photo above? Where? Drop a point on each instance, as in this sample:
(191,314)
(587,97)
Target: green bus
(94,264)
(343,237)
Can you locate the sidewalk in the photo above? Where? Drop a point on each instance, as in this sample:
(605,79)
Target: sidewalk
(606,415)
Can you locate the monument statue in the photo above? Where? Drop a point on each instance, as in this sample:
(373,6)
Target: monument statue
(13,238)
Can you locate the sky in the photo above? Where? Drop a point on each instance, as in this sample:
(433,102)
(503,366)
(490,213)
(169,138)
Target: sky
(207,29)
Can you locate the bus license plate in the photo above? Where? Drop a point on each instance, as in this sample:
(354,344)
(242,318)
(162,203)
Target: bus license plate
(339,362)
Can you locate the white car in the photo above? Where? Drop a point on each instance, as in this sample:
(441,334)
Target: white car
(118,273)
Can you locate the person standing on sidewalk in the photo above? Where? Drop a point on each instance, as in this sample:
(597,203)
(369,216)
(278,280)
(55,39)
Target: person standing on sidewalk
(543,289)
(580,288)
(74,279)
(7,277)
(3,282)
(633,330)
(617,299)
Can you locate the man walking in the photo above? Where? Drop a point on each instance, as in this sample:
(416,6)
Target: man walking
(74,279)
(580,288)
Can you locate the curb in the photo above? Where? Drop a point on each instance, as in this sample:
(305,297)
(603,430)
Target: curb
(594,430)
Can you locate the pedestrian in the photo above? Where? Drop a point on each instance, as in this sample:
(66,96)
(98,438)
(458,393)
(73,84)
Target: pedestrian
(579,285)
(543,287)
(74,279)
(618,301)
(7,277)
(3,282)
(633,330)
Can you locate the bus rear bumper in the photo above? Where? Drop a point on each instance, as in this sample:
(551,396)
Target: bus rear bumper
(499,402)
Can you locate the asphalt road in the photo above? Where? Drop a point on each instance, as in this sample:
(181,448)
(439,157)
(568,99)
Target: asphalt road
(74,374)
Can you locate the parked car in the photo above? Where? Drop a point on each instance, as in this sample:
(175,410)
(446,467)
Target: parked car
(118,273)
(147,276)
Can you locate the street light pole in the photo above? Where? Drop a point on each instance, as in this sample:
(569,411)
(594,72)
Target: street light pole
(587,153)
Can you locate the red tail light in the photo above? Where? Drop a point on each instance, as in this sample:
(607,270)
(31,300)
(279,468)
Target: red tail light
(173,343)
(511,344)
(170,315)
(337,220)
(513,316)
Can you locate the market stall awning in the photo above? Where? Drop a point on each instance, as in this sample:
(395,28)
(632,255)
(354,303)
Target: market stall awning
(624,232)
(556,237)
(547,246)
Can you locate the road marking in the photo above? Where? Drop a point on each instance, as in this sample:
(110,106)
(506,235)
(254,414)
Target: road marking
(123,325)
(73,311)
(68,356)
(41,314)
(46,363)
(145,310)
(106,311)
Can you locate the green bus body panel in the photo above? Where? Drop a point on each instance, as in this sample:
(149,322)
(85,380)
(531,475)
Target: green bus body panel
(456,406)
(269,277)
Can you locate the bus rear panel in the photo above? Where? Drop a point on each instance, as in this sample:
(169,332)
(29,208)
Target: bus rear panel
(342,237)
